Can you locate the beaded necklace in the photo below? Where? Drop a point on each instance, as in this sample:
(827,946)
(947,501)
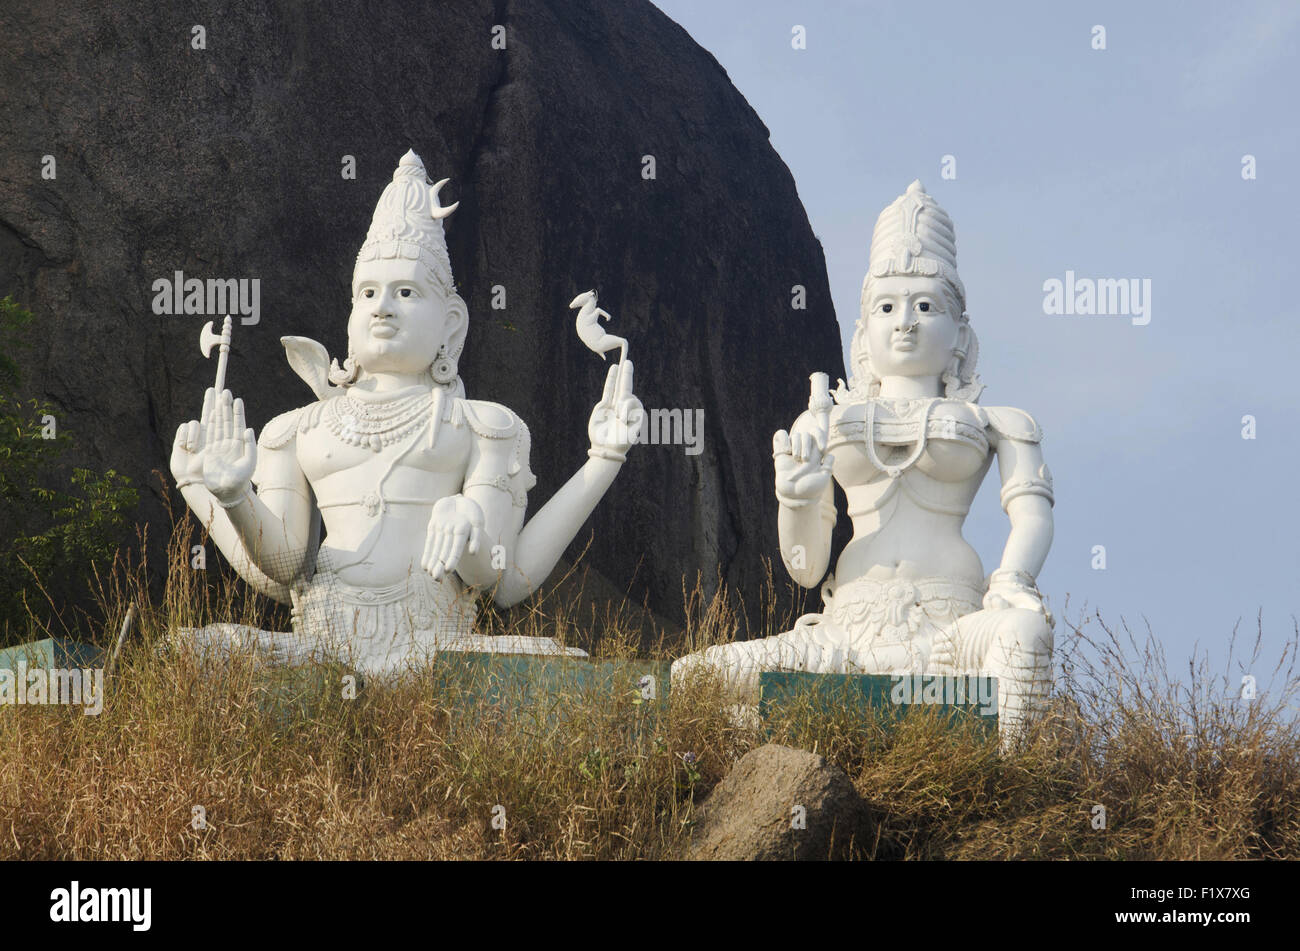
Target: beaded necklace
(378,424)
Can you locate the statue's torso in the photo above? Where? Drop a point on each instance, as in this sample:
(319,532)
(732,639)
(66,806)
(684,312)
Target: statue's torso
(376,503)
(909,525)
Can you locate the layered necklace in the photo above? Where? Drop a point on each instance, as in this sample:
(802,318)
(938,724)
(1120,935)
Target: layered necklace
(906,407)
(376,424)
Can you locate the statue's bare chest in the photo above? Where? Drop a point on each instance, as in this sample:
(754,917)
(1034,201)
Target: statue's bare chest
(344,455)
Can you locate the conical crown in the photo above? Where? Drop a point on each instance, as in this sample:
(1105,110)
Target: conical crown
(408,222)
(915,236)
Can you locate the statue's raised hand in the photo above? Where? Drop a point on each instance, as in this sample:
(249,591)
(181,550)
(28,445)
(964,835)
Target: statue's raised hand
(187,447)
(617,419)
(802,472)
(455,526)
(230,449)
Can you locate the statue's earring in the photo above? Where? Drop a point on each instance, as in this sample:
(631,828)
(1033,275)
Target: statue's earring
(443,369)
(869,372)
(952,376)
(349,372)
(954,365)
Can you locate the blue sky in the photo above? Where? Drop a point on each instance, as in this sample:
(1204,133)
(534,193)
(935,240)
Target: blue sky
(1116,163)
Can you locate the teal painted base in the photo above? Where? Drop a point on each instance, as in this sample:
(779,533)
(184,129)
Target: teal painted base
(525,678)
(52,653)
(473,681)
(880,696)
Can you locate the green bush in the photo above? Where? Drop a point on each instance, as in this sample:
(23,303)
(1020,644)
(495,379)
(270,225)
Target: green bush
(58,523)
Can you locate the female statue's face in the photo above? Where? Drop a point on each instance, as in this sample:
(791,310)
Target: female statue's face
(399,319)
(909,329)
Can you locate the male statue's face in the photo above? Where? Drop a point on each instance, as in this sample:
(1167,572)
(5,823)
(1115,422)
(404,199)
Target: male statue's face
(399,319)
(909,329)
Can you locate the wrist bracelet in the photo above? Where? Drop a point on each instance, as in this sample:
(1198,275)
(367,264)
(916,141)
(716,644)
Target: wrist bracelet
(1013,576)
(794,503)
(236,503)
(600,452)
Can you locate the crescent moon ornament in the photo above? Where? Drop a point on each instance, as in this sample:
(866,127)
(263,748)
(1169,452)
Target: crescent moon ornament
(438,211)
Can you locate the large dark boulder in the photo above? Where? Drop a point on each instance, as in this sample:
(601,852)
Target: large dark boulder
(226,162)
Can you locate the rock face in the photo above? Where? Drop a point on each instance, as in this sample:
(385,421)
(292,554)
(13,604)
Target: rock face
(756,812)
(228,161)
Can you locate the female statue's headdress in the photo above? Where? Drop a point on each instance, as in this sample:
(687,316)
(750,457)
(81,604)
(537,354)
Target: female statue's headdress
(914,236)
(407,224)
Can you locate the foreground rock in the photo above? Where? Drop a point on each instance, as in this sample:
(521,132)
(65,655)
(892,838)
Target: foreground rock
(227,163)
(779,803)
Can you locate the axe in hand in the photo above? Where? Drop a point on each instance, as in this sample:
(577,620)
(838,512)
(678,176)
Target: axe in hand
(207,340)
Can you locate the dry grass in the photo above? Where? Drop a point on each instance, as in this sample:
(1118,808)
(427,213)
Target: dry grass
(415,771)
(1183,767)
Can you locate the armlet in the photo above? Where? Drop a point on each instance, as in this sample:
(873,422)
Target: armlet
(1040,484)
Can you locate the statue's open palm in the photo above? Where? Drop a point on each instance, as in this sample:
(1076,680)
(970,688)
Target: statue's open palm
(455,527)
(230,452)
(187,448)
(802,472)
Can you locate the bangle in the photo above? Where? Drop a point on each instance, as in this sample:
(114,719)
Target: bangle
(600,452)
(1013,576)
(794,503)
(236,503)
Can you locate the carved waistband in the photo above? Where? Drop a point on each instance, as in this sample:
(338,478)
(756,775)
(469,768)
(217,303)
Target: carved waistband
(916,590)
(370,501)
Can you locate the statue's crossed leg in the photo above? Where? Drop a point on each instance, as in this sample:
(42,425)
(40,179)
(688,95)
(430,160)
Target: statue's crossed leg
(1013,645)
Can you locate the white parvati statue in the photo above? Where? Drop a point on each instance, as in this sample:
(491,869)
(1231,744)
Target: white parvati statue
(422,492)
(910,446)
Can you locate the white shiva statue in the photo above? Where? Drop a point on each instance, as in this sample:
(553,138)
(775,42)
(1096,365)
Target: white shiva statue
(910,445)
(422,492)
